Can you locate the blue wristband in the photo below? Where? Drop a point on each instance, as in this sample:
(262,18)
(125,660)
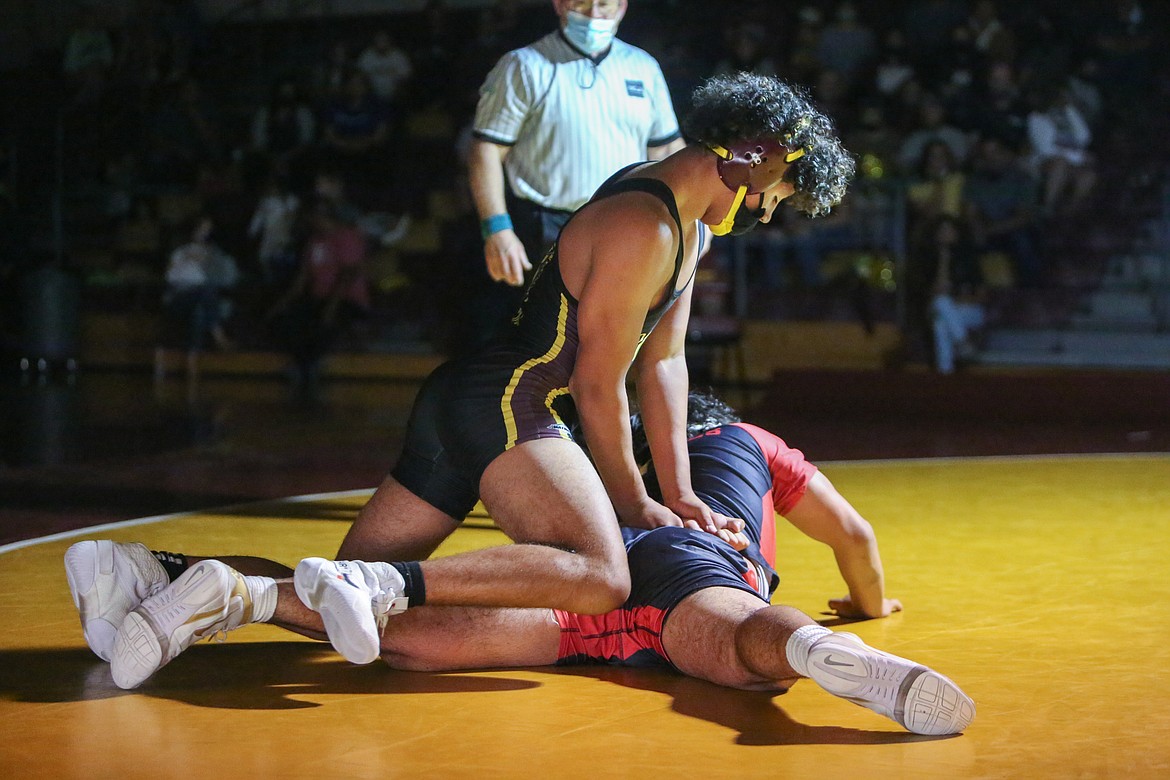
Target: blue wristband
(494,224)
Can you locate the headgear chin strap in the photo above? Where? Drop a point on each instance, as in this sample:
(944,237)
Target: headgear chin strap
(748,168)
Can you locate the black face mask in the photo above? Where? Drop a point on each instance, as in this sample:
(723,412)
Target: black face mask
(746,219)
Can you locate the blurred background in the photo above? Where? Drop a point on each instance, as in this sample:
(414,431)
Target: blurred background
(1013,164)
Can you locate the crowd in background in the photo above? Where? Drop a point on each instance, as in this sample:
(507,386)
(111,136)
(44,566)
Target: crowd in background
(985,132)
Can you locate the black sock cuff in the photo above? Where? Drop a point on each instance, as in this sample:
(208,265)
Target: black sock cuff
(416,589)
(174,563)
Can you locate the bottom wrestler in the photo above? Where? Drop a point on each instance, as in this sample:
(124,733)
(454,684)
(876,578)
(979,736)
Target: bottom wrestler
(696,603)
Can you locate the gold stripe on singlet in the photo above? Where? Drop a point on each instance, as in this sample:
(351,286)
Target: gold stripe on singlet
(547,357)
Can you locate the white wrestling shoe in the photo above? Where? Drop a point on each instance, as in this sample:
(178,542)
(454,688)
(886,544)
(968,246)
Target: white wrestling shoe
(107,580)
(918,698)
(354,598)
(209,598)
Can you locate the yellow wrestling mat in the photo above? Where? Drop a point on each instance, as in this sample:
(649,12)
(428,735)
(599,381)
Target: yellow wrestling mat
(1040,585)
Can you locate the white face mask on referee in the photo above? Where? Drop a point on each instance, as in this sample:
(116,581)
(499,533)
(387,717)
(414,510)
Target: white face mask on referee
(590,25)
(590,35)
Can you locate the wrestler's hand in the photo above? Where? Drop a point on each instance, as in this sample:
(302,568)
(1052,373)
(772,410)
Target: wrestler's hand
(845,608)
(649,514)
(505,257)
(697,515)
(737,539)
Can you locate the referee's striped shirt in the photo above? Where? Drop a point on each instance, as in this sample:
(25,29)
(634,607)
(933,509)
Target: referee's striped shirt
(571,122)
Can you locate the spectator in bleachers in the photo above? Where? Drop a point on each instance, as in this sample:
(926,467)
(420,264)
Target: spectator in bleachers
(956,310)
(835,96)
(386,65)
(355,131)
(847,45)
(219,186)
(874,141)
(801,58)
(1001,208)
(893,67)
(935,190)
(905,106)
(747,50)
(328,295)
(932,126)
(198,277)
(1002,113)
(330,185)
(1059,138)
(954,82)
(272,225)
(794,250)
(993,39)
(284,127)
(378,227)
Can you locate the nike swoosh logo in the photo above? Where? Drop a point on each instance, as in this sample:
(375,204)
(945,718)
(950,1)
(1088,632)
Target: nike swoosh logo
(829,660)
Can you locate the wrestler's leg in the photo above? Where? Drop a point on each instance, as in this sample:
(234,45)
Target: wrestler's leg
(447,638)
(290,612)
(547,497)
(395,525)
(730,637)
(247,564)
(718,634)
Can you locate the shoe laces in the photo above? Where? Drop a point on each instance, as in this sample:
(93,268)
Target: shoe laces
(385,604)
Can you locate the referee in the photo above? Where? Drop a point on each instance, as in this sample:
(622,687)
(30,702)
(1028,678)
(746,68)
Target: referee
(555,119)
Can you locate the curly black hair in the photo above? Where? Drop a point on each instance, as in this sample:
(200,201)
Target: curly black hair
(704,412)
(746,106)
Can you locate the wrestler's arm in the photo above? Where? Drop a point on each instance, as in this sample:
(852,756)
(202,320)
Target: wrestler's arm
(826,516)
(660,372)
(631,252)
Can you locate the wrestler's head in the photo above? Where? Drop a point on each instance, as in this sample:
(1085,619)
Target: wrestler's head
(704,412)
(743,110)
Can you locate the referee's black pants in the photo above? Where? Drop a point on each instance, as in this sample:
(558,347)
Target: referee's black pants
(537,228)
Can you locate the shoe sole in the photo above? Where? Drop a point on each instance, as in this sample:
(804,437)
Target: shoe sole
(138,652)
(929,703)
(83,564)
(142,647)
